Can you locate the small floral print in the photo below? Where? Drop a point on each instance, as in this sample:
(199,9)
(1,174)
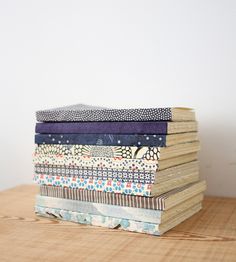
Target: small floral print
(81,183)
(99,184)
(118,186)
(138,188)
(128,191)
(90,187)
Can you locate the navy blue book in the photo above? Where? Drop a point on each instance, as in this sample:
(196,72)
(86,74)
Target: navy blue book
(153,127)
(116,139)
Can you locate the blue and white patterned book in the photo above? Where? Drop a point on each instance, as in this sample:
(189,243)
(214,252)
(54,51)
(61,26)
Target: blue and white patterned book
(138,214)
(116,223)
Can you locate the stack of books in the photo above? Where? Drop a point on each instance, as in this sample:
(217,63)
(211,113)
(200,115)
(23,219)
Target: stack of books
(132,169)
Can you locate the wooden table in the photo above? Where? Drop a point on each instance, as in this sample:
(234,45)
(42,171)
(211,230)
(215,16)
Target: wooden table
(208,236)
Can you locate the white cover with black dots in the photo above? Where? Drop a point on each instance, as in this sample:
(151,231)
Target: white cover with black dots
(81,112)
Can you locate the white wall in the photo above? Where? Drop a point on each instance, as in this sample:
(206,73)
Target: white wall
(119,54)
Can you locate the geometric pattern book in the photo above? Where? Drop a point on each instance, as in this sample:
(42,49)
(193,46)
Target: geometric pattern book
(101,162)
(146,177)
(113,186)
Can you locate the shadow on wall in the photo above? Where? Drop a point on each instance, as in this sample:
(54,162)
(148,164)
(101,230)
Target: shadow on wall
(218,158)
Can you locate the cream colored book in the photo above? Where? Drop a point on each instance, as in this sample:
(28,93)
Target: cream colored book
(168,185)
(175,139)
(174,161)
(177,172)
(178,150)
(179,218)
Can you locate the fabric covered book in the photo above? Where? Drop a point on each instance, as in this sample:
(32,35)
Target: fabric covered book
(116,139)
(146,177)
(125,152)
(122,175)
(114,186)
(117,223)
(138,214)
(81,112)
(139,165)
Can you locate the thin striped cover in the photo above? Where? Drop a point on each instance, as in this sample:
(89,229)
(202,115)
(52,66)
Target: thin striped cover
(156,203)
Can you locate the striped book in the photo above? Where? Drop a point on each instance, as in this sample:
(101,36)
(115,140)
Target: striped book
(162,202)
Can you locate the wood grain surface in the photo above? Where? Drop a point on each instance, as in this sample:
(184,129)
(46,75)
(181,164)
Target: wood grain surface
(210,235)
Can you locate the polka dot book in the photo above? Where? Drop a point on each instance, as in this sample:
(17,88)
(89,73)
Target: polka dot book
(81,112)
